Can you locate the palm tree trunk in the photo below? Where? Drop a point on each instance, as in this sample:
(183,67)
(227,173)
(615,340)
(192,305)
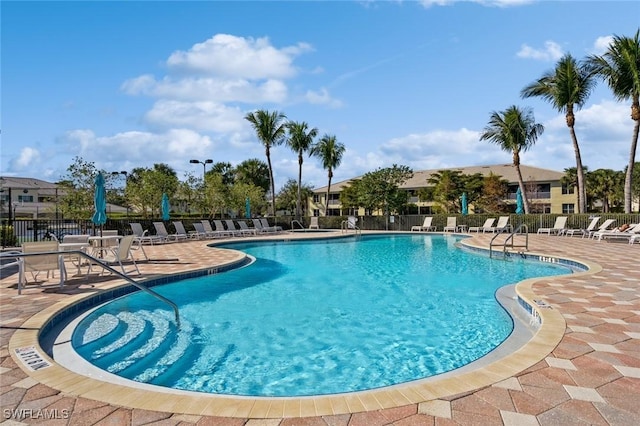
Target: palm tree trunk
(326,201)
(582,193)
(299,200)
(272,183)
(628,196)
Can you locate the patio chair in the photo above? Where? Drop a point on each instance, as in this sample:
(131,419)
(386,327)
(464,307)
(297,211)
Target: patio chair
(630,231)
(161,230)
(122,254)
(231,226)
(605,225)
(48,263)
(426,225)
(182,233)
(218,232)
(200,231)
(245,227)
(265,224)
(451,226)
(583,231)
(313,224)
(487,226)
(143,237)
(502,225)
(558,227)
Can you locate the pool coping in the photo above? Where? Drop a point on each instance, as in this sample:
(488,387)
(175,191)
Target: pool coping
(536,349)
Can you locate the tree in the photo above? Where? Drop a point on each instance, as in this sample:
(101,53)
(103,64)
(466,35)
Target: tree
(238,194)
(620,68)
(287,198)
(566,87)
(300,141)
(145,187)
(253,171)
(380,189)
(330,153)
(514,130)
(225,170)
(605,185)
(494,192)
(78,189)
(448,186)
(270,129)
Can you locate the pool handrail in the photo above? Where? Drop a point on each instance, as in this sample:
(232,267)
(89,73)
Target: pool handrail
(522,226)
(81,253)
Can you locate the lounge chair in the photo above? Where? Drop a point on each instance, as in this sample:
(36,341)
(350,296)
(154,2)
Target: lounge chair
(182,233)
(231,227)
(41,263)
(605,226)
(426,225)
(314,223)
(200,232)
(265,224)
(583,231)
(161,230)
(558,227)
(634,238)
(631,231)
(122,254)
(487,226)
(143,237)
(502,225)
(221,229)
(214,232)
(244,227)
(451,226)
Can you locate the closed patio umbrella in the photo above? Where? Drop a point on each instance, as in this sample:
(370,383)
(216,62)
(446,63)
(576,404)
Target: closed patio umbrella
(99,203)
(247,208)
(519,202)
(165,207)
(464,202)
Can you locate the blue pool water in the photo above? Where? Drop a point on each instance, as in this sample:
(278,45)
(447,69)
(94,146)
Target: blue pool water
(311,318)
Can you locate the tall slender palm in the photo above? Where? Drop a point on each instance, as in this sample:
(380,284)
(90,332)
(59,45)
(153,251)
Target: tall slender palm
(270,129)
(300,141)
(515,131)
(566,87)
(330,152)
(620,68)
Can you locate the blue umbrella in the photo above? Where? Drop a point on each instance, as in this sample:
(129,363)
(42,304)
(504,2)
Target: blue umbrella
(247,208)
(465,206)
(519,202)
(99,202)
(165,207)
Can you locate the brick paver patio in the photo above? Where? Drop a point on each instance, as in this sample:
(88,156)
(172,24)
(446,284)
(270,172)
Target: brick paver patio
(591,377)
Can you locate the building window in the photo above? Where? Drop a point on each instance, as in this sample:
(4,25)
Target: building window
(567,188)
(333,212)
(316,198)
(25,198)
(316,212)
(568,208)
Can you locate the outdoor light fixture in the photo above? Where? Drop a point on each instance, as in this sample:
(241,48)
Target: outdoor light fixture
(204,165)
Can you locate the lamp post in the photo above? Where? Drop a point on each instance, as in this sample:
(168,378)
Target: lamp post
(204,165)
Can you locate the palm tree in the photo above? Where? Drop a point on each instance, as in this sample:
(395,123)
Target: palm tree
(300,141)
(620,68)
(270,129)
(515,131)
(330,152)
(567,86)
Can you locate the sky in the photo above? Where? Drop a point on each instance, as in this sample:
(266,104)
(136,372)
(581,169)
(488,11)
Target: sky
(131,84)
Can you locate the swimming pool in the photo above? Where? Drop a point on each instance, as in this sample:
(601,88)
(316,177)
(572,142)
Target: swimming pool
(311,318)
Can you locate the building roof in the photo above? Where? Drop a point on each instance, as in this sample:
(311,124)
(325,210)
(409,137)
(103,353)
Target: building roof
(25,183)
(506,171)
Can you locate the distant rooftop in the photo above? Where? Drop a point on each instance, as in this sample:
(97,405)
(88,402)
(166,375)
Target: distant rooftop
(506,171)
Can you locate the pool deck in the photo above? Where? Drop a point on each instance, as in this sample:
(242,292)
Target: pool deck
(582,367)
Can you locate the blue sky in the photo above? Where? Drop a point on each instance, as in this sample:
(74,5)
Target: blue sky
(130,84)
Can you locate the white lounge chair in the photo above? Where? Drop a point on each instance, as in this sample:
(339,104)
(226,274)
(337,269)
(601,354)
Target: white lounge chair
(162,231)
(182,233)
(265,224)
(452,224)
(314,223)
(558,227)
(487,226)
(502,225)
(143,237)
(426,225)
(605,226)
(633,230)
(231,227)
(214,232)
(200,232)
(583,231)
(245,228)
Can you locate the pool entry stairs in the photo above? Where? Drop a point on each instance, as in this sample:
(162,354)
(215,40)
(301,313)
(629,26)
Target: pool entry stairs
(118,343)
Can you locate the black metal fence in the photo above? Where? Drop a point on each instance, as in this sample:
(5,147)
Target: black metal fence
(18,231)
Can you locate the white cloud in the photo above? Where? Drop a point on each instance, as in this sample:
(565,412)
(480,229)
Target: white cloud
(28,156)
(201,116)
(601,45)
(552,51)
(488,3)
(322,97)
(230,56)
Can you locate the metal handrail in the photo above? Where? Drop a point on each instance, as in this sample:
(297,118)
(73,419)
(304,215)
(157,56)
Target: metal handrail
(294,221)
(108,268)
(510,237)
